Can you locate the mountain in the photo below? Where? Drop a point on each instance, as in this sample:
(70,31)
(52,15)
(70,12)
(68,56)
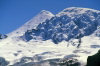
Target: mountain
(70,23)
(33,23)
(64,28)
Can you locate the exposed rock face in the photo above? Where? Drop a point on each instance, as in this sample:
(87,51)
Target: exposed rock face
(3,36)
(94,60)
(67,24)
(3,62)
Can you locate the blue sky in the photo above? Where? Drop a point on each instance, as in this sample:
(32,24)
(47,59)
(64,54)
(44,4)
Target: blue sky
(14,13)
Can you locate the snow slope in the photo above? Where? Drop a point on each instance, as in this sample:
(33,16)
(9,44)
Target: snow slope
(13,51)
(33,23)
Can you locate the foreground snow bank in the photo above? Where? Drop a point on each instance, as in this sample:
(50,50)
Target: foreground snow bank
(13,51)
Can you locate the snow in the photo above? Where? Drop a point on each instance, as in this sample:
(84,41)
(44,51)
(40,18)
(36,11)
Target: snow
(13,48)
(72,11)
(47,49)
(33,23)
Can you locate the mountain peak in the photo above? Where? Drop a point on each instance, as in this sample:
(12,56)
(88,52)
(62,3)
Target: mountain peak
(78,9)
(75,11)
(46,12)
(32,23)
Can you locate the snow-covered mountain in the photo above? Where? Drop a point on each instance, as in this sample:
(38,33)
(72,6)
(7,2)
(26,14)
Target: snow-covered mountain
(70,23)
(33,23)
(63,28)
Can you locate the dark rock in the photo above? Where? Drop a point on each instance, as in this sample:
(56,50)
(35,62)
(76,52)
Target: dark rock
(94,60)
(3,36)
(3,62)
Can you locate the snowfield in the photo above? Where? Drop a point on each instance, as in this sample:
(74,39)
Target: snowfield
(13,51)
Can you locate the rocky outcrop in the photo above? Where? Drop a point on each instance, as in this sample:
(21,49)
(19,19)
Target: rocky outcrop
(68,24)
(3,62)
(94,60)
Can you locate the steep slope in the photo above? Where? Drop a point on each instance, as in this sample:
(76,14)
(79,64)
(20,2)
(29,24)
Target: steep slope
(31,24)
(70,23)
